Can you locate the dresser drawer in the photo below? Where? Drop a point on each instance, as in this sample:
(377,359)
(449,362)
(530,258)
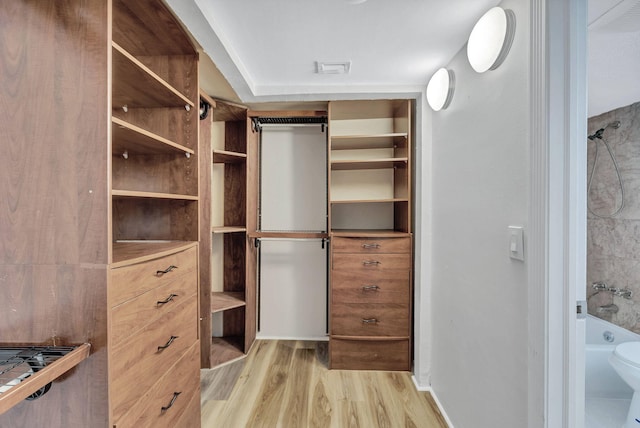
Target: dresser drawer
(370,287)
(371,245)
(370,319)
(137,362)
(369,354)
(130,281)
(132,315)
(181,381)
(370,262)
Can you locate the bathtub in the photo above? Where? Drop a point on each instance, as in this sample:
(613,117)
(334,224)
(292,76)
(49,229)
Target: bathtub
(601,381)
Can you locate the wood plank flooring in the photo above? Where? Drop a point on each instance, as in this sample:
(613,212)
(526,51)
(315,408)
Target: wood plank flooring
(286,384)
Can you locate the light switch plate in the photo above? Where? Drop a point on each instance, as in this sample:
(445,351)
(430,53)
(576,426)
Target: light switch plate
(516,242)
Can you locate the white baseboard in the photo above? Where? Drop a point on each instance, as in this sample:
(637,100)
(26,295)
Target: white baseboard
(306,338)
(435,399)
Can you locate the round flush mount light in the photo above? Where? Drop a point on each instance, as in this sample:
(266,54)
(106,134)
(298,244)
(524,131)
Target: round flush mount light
(491,39)
(440,89)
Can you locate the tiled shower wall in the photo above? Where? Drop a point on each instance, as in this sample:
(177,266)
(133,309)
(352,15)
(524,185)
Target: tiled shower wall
(613,244)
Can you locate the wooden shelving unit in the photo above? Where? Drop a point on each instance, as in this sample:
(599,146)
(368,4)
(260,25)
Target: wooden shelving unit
(110,224)
(370,217)
(229,297)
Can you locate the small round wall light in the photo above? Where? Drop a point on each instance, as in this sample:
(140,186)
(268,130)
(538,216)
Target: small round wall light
(440,89)
(491,39)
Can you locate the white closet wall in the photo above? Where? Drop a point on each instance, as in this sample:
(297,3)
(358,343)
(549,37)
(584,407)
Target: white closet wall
(293,198)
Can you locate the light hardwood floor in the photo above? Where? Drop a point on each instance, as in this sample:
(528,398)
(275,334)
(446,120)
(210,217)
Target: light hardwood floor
(286,384)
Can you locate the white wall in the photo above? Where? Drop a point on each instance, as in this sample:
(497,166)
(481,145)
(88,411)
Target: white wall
(480,187)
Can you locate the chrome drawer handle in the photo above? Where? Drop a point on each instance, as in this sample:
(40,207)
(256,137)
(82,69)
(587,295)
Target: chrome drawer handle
(369,321)
(370,288)
(166,345)
(167,300)
(371,262)
(370,246)
(167,270)
(173,400)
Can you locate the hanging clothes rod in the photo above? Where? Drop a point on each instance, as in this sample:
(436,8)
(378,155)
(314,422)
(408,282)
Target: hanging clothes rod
(289,235)
(259,122)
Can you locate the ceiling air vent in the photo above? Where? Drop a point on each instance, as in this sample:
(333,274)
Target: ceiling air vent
(343,67)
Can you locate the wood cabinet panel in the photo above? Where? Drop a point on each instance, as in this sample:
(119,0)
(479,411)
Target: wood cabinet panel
(371,245)
(179,379)
(370,263)
(370,354)
(370,287)
(129,317)
(138,361)
(370,319)
(131,281)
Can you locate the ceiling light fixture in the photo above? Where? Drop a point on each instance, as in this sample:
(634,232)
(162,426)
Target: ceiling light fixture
(440,89)
(491,39)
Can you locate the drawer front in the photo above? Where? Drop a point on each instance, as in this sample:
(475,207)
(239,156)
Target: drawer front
(131,281)
(370,262)
(369,355)
(136,363)
(370,319)
(371,245)
(370,287)
(132,315)
(182,378)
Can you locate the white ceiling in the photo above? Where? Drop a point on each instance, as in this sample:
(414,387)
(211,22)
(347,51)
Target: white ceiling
(267,49)
(613,54)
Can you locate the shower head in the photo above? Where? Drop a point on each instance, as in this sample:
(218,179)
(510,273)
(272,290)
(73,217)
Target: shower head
(599,132)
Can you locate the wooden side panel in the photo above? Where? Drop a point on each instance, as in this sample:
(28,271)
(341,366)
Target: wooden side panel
(137,28)
(235,136)
(205,158)
(54,193)
(234,261)
(235,190)
(251,222)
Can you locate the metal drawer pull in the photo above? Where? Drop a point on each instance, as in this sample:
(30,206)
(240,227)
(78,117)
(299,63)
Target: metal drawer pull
(370,288)
(167,300)
(166,345)
(167,270)
(371,262)
(370,246)
(369,321)
(173,400)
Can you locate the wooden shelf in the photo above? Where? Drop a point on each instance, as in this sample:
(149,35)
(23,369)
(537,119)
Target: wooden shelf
(116,193)
(224,156)
(135,85)
(228,229)
(14,394)
(365,233)
(368,164)
(131,252)
(135,140)
(357,142)
(225,300)
(368,201)
(226,349)
(288,235)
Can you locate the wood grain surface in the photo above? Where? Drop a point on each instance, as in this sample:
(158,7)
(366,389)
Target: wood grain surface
(286,384)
